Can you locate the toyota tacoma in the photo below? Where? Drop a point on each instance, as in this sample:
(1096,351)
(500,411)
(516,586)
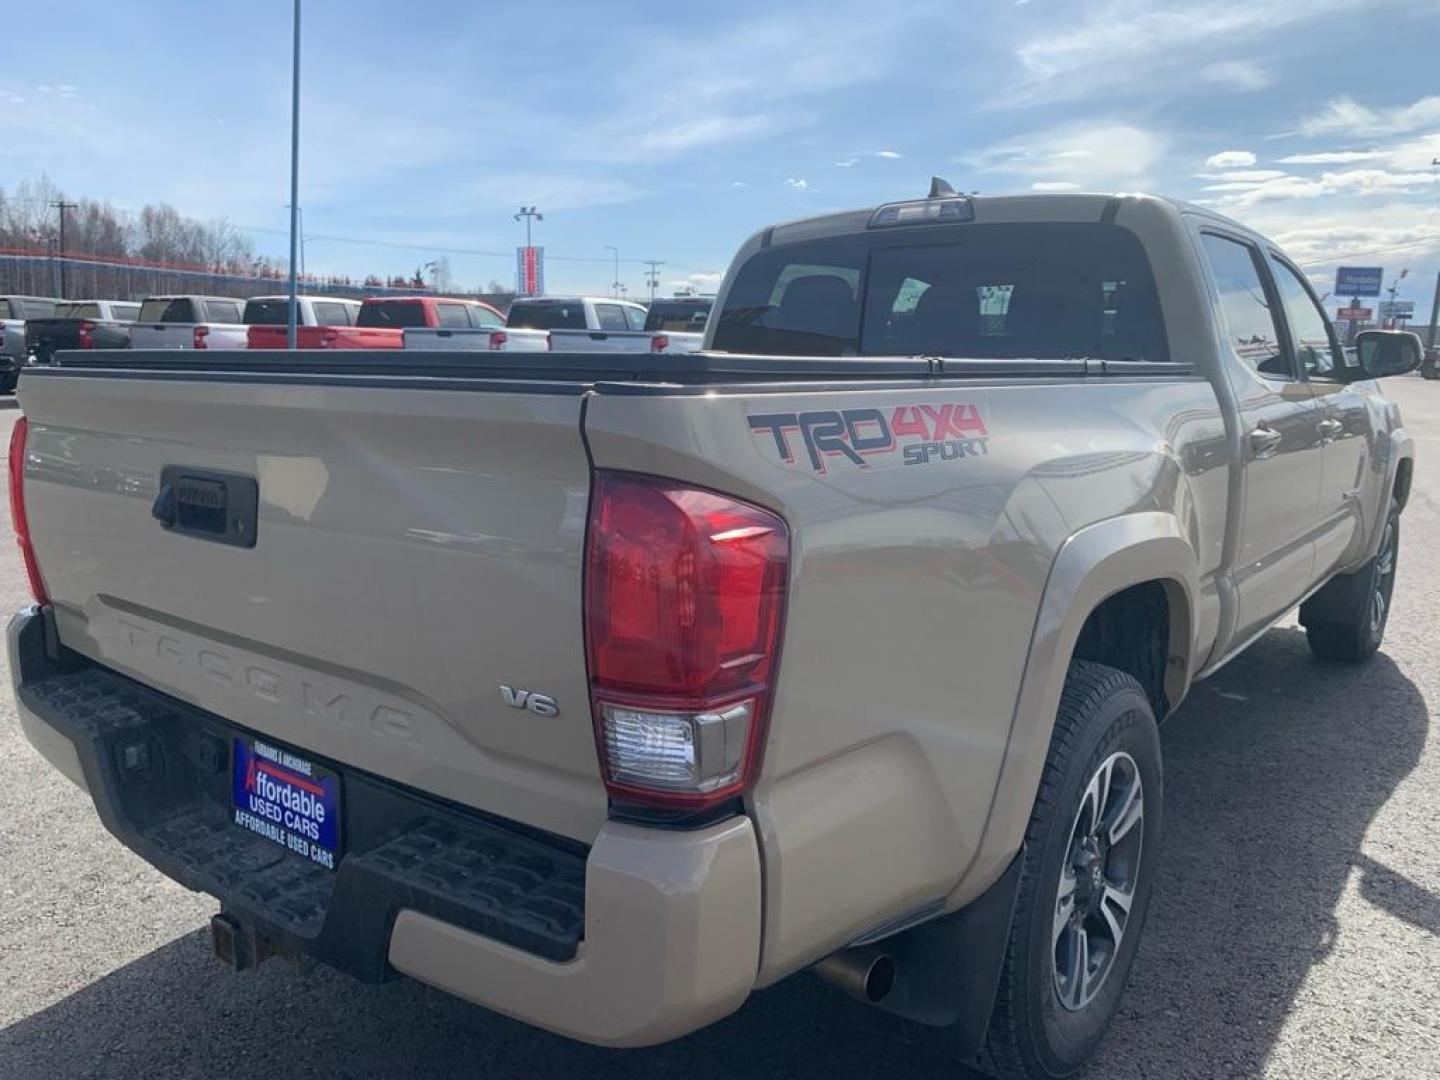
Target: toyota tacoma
(603,690)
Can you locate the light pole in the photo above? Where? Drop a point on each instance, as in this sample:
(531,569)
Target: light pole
(615,285)
(291,317)
(300,214)
(529,213)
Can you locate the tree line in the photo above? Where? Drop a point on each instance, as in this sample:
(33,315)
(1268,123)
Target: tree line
(169,252)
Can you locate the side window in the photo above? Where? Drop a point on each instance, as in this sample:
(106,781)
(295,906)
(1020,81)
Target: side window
(126,312)
(1309,329)
(331,314)
(484,318)
(222,311)
(1245,306)
(452,315)
(5,309)
(611,316)
(636,316)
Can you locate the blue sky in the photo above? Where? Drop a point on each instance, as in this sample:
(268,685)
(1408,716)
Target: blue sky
(672,131)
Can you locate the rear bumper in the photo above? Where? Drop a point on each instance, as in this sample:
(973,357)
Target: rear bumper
(647,936)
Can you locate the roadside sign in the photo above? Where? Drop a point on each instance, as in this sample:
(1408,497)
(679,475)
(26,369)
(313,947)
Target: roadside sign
(1356,314)
(529,271)
(1353,281)
(1397,309)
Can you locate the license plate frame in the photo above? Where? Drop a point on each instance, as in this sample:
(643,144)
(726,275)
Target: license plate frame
(287,799)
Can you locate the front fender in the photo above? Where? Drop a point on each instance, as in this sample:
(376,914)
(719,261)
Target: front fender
(1095,563)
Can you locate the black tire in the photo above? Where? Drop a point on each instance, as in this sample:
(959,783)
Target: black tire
(1105,716)
(1345,621)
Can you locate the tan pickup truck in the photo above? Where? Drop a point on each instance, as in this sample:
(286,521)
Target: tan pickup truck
(602,689)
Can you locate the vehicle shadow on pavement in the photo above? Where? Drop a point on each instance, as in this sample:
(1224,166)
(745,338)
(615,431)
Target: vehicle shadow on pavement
(1273,775)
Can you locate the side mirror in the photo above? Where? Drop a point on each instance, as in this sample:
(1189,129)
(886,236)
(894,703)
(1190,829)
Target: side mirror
(1382,353)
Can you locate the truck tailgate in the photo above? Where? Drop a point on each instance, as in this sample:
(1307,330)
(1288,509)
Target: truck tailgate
(414,551)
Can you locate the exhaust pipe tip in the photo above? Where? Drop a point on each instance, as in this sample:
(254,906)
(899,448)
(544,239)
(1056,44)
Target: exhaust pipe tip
(866,974)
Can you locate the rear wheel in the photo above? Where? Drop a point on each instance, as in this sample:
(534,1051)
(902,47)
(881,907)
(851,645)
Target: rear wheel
(1345,621)
(1089,863)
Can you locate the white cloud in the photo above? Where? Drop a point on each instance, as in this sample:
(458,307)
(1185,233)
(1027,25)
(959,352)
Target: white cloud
(851,160)
(1395,233)
(701,282)
(1134,43)
(1237,73)
(1332,157)
(1227,158)
(1088,154)
(738,183)
(1054,185)
(1356,182)
(1251,175)
(1344,115)
(796,183)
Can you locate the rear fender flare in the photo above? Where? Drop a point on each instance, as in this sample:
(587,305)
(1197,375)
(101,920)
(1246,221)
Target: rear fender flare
(1092,565)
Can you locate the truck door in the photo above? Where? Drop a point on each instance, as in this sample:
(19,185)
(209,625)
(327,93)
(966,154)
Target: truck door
(1347,503)
(1280,441)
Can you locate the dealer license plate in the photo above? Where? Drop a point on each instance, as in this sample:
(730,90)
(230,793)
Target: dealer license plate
(287,799)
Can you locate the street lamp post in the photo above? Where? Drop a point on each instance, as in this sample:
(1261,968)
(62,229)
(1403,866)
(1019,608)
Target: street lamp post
(291,318)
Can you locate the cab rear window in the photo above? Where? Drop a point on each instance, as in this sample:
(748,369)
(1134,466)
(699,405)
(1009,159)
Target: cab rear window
(564,315)
(392,313)
(1003,291)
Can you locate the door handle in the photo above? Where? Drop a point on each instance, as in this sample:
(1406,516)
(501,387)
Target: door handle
(1265,441)
(1330,430)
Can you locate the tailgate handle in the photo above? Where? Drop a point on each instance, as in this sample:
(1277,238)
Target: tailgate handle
(209,505)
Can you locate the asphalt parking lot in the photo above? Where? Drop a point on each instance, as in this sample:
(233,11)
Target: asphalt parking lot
(1295,930)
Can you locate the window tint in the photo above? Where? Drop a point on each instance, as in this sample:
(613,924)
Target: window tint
(272,311)
(611,317)
(678,315)
(635,317)
(1245,307)
(452,315)
(222,311)
(78,310)
(391,313)
(567,315)
(991,291)
(5,309)
(125,312)
(330,314)
(178,309)
(1309,328)
(483,317)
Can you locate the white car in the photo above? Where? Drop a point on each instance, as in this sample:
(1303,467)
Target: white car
(475,339)
(583,323)
(189,322)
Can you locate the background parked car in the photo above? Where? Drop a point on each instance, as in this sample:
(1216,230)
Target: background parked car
(189,322)
(14,310)
(583,323)
(80,324)
(678,322)
(322,322)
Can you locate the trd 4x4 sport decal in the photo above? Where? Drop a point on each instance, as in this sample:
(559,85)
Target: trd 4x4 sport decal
(904,434)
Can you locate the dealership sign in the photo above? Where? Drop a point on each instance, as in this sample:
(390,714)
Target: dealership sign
(1397,309)
(1356,314)
(1355,281)
(529,271)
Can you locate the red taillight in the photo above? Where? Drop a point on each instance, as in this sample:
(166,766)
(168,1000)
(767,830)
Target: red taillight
(85,334)
(18,518)
(659,343)
(201,333)
(498,339)
(684,602)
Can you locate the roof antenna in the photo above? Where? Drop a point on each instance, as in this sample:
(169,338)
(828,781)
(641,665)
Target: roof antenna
(941,189)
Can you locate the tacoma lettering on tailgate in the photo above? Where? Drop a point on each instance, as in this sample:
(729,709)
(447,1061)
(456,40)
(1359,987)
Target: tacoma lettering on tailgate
(916,434)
